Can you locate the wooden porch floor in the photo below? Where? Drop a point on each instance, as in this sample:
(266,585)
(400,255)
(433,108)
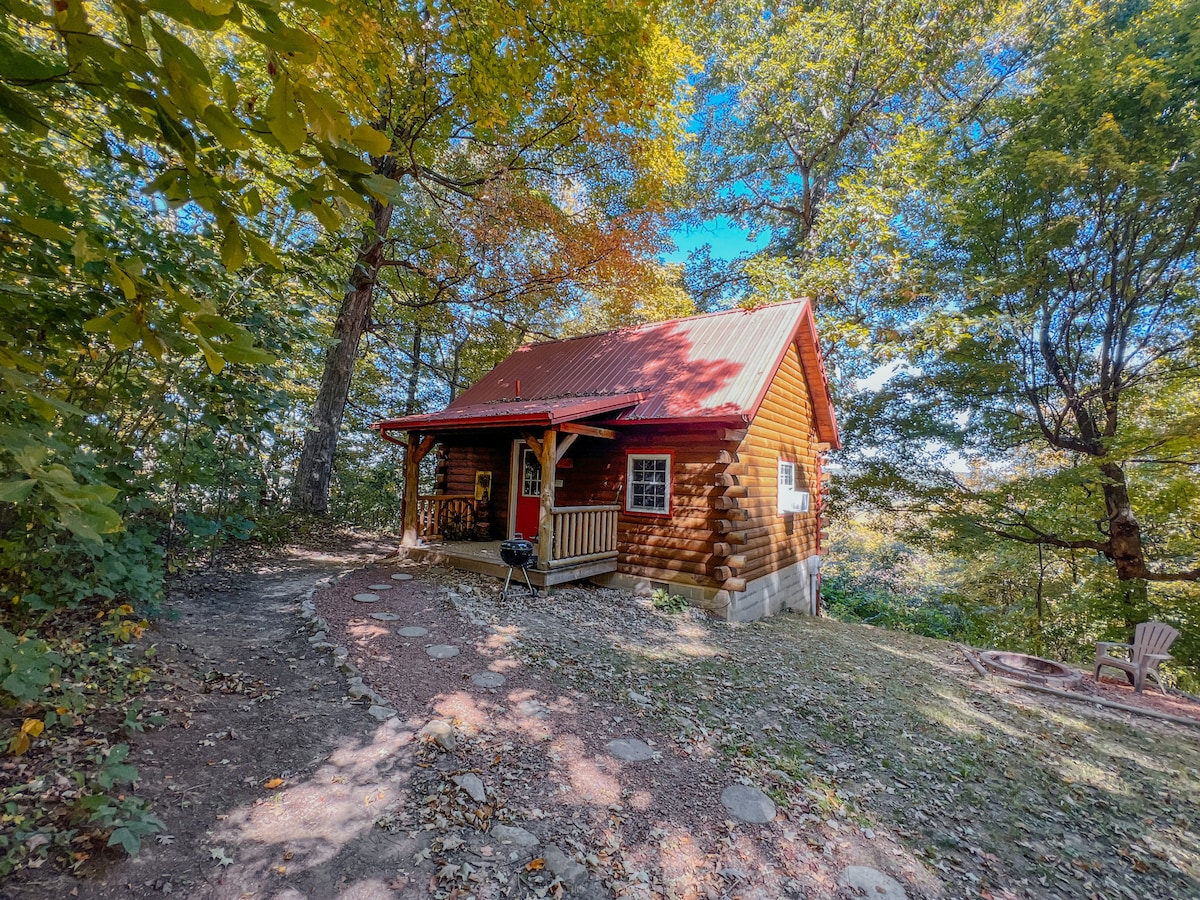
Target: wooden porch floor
(484,557)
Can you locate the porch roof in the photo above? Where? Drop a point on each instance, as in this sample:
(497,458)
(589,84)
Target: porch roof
(541,412)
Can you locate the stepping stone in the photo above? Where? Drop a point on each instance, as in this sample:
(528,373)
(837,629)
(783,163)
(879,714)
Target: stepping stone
(379,587)
(564,868)
(511,834)
(366,598)
(487,680)
(385,617)
(472,786)
(382,713)
(412,631)
(402,576)
(442,651)
(630,749)
(532,708)
(748,804)
(873,883)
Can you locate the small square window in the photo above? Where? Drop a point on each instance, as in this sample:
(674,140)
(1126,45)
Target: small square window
(648,483)
(790,499)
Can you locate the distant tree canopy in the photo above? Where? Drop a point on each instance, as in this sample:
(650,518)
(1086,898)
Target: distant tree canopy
(1049,394)
(1067,341)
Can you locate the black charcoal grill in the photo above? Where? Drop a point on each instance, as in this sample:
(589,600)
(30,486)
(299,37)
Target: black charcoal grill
(517,553)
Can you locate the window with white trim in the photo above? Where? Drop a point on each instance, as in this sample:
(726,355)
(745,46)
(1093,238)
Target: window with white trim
(791,500)
(648,483)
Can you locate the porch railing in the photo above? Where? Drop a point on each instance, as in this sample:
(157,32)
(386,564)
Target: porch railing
(583,533)
(446,515)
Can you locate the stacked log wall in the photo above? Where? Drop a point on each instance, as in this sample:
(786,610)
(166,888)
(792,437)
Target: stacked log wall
(480,452)
(782,430)
(724,501)
(678,547)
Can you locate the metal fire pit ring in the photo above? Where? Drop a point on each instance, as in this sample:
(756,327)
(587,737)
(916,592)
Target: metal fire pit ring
(1031,668)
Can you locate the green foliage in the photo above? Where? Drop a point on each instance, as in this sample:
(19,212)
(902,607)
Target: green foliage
(899,573)
(44,821)
(817,124)
(875,577)
(369,484)
(26,666)
(66,693)
(667,602)
(1040,436)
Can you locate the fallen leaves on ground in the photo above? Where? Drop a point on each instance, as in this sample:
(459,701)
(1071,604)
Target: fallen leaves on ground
(855,728)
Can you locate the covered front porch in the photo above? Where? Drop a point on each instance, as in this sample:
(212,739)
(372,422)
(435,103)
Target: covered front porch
(527,452)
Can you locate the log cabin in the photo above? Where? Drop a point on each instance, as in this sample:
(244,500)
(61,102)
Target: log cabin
(685,456)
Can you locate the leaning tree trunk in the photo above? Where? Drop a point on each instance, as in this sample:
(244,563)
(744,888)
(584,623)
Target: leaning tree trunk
(310,493)
(1125,546)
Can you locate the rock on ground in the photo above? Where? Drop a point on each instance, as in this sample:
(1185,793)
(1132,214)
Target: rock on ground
(748,804)
(873,883)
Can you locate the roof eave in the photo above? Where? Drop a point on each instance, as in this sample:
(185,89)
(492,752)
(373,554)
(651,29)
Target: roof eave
(434,426)
(737,419)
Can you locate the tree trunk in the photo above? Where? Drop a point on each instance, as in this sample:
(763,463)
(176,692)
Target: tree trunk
(1124,533)
(1125,547)
(1041,596)
(310,493)
(414,377)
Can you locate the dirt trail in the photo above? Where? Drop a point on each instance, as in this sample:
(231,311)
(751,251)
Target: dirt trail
(246,700)
(536,795)
(434,740)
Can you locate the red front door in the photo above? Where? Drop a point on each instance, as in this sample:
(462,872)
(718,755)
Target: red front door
(529,493)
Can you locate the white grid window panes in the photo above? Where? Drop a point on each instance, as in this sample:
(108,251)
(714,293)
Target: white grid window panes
(531,474)
(790,499)
(649,483)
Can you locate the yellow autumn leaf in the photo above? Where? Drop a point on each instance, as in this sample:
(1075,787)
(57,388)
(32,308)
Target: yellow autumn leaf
(20,741)
(273,783)
(371,139)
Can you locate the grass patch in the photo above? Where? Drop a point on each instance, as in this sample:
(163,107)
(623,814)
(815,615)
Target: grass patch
(988,787)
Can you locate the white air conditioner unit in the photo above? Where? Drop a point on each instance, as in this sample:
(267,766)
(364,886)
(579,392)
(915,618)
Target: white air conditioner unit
(795,502)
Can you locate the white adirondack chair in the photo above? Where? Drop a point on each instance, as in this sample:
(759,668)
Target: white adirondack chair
(1141,658)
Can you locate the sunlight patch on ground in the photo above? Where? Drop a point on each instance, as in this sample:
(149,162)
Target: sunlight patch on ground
(313,819)
(464,709)
(589,782)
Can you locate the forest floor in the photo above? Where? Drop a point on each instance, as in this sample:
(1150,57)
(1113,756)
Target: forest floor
(883,753)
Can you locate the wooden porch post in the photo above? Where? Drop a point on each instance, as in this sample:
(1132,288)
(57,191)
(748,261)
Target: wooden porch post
(415,450)
(549,460)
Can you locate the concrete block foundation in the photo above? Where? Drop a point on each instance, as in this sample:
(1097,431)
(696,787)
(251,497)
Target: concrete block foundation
(790,588)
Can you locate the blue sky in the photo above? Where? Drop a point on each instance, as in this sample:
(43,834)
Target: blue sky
(727,239)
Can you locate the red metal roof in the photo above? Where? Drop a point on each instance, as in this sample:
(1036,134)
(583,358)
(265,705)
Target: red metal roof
(715,366)
(511,413)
